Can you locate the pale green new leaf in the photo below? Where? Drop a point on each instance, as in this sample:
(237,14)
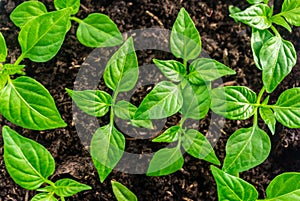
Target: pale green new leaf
(107,148)
(92,102)
(164,100)
(277,58)
(269,118)
(185,39)
(196,144)
(165,161)
(233,102)
(291,11)
(245,149)
(3,49)
(28,163)
(122,193)
(27,103)
(169,135)
(173,70)
(279,20)
(68,187)
(43,197)
(121,72)
(27,11)
(73,4)
(255,1)
(232,188)
(98,30)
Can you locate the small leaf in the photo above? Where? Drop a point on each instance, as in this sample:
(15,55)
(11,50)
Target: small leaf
(73,4)
(277,58)
(232,188)
(27,11)
(255,1)
(269,118)
(290,10)
(204,69)
(98,30)
(173,70)
(287,108)
(92,102)
(233,9)
(196,144)
(27,103)
(107,148)
(233,102)
(169,135)
(245,149)
(257,16)
(122,193)
(69,187)
(165,161)
(41,38)
(185,39)
(43,197)
(12,69)
(121,72)
(279,20)
(3,49)
(163,101)
(27,162)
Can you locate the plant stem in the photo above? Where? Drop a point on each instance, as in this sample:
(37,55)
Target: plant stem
(62,198)
(20,58)
(275,31)
(261,93)
(113,102)
(76,19)
(50,183)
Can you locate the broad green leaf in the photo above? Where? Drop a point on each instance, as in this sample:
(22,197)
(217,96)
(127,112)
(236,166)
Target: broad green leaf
(73,4)
(27,103)
(258,39)
(3,49)
(27,11)
(245,149)
(169,135)
(233,102)
(287,108)
(196,101)
(165,161)
(98,30)
(284,187)
(255,1)
(185,39)
(122,193)
(107,148)
(291,11)
(269,118)
(257,16)
(204,69)
(173,70)
(232,188)
(196,144)
(3,79)
(41,38)
(69,187)
(121,72)
(163,101)
(92,102)
(277,58)
(279,20)
(28,163)
(43,197)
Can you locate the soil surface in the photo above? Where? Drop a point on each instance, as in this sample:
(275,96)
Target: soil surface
(223,40)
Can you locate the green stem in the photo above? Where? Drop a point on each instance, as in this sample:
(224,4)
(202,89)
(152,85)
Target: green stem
(50,183)
(62,198)
(275,31)
(18,61)
(76,19)
(261,93)
(112,115)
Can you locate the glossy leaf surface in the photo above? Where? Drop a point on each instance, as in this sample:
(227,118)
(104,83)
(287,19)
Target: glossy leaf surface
(122,193)
(73,4)
(3,48)
(169,135)
(291,11)
(68,187)
(43,197)
(171,69)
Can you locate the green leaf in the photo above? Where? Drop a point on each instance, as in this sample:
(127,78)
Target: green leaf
(163,101)
(3,79)
(232,188)
(41,38)
(173,70)
(277,58)
(107,148)
(196,144)
(196,101)
(269,118)
(255,1)
(245,149)
(69,187)
(279,20)
(204,69)
(27,11)
(92,102)
(43,197)
(98,30)
(121,72)
(290,10)
(287,108)
(73,4)
(257,16)
(27,162)
(284,187)
(233,102)
(165,161)
(258,39)
(169,135)
(3,49)
(233,9)
(185,39)
(122,193)
(12,69)
(27,103)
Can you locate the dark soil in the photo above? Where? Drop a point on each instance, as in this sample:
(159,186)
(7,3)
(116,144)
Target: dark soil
(223,40)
